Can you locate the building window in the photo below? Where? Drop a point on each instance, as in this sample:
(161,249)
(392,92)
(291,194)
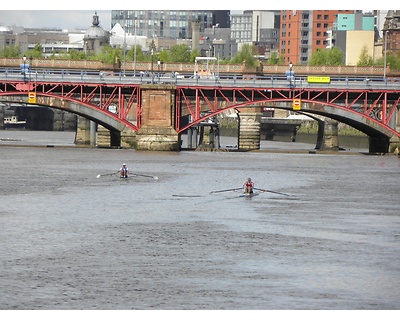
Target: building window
(318,25)
(319,17)
(326,17)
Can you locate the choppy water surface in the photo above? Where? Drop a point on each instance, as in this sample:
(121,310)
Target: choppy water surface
(71,240)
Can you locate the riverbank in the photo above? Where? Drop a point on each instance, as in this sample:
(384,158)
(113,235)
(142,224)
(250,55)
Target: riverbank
(304,143)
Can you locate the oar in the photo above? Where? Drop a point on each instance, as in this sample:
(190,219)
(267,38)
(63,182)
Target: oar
(263,190)
(144,175)
(106,174)
(233,189)
(187,195)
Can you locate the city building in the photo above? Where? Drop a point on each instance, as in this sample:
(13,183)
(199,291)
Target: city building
(305,31)
(391,33)
(95,37)
(354,34)
(168,23)
(258,28)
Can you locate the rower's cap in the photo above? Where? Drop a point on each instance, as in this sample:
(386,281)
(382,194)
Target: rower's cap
(123,164)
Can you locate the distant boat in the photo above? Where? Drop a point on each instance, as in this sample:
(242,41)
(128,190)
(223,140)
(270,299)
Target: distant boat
(13,122)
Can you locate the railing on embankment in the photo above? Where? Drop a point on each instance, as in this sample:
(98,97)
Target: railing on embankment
(189,68)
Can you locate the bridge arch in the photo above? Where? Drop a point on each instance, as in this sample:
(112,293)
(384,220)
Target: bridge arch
(379,133)
(366,124)
(89,111)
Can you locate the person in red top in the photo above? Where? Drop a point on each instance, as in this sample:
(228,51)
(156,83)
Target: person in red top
(248,186)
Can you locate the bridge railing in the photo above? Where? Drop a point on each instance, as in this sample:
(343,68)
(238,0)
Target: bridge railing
(243,81)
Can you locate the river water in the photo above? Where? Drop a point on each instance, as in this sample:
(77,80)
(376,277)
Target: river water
(329,239)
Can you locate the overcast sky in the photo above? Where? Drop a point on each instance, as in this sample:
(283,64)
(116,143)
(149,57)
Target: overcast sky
(48,14)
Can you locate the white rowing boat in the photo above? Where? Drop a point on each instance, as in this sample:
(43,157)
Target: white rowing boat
(248,195)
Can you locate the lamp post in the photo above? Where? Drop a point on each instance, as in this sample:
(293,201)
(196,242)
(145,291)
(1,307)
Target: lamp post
(29,68)
(124,48)
(290,74)
(158,69)
(152,54)
(134,55)
(384,56)
(24,71)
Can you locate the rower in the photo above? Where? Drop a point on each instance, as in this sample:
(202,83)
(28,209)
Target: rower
(123,171)
(248,186)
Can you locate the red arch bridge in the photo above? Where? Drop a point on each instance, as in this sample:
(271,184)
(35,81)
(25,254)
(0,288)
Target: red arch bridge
(151,114)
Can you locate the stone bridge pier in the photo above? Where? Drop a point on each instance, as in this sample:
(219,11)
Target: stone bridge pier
(157,131)
(249,128)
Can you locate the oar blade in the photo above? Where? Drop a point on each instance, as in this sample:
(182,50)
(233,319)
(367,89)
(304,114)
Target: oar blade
(276,192)
(145,175)
(225,190)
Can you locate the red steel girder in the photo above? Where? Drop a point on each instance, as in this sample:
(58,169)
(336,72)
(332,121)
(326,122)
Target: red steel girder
(362,101)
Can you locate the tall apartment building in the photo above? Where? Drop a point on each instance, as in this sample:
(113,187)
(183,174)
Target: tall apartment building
(260,28)
(168,23)
(305,31)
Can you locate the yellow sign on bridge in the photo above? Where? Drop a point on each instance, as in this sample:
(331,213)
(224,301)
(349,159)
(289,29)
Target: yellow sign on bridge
(318,79)
(296,105)
(32,97)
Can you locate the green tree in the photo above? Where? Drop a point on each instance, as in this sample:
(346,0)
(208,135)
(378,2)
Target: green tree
(365,59)
(275,59)
(193,54)
(163,56)
(393,61)
(130,55)
(327,57)
(35,53)
(179,53)
(109,54)
(10,52)
(246,55)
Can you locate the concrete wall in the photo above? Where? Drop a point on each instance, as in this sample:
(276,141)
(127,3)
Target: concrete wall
(356,41)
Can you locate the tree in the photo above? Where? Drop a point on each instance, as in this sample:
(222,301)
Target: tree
(274,59)
(179,53)
(130,55)
(365,59)
(10,52)
(193,54)
(35,53)
(246,56)
(109,54)
(327,57)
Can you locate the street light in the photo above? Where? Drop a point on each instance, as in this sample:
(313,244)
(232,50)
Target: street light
(384,58)
(30,66)
(134,55)
(158,69)
(290,74)
(24,71)
(152,54)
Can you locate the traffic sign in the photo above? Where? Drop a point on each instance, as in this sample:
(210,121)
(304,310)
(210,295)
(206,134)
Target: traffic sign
(32,97)
(296,105)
